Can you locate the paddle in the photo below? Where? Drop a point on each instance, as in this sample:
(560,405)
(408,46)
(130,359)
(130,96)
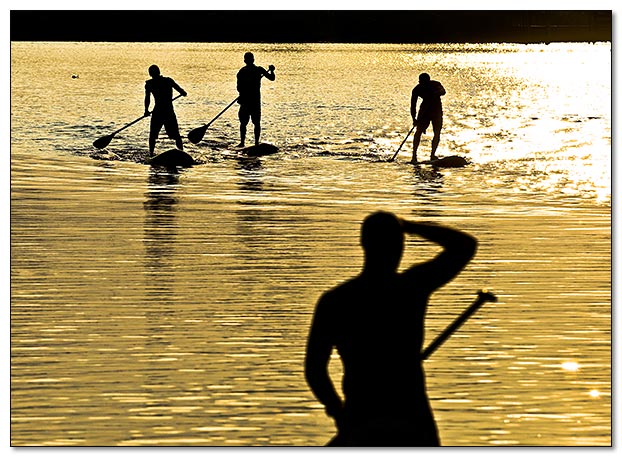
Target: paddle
(195,136)
(105,140)
(398,149)
(483,297)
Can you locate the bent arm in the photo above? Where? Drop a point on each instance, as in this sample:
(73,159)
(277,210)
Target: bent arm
(458,249)
(268,74)
(319,349)
(413,106)
(147,101)
(179,89)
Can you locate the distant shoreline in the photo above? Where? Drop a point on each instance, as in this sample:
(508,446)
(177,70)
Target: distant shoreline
(298,26)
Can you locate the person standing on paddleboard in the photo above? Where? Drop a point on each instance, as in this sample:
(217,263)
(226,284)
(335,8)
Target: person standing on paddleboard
(376,322)
(430,111)
(249,88)
(163,114)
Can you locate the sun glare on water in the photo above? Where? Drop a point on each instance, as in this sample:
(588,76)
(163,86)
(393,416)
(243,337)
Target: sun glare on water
(570,366)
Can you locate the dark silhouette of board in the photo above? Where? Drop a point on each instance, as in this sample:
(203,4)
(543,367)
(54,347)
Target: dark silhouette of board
(446,162)
(171,159)
(261,149)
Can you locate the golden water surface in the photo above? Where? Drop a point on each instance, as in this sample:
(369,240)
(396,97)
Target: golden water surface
(152,308)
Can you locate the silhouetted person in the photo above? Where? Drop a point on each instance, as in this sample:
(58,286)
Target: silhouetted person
(163,114)
(431,110)
(249,88)
(376,322)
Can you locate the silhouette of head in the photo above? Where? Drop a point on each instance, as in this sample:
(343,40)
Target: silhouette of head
(382,238)
(249,58)
(424,78)
(154,71)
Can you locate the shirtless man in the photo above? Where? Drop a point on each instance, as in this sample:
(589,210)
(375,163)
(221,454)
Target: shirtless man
(163,114)
(376,322)
(249,88)
(430,111)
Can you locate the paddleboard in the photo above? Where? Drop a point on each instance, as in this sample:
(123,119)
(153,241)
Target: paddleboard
(261,149)
(171,159)
(447,162)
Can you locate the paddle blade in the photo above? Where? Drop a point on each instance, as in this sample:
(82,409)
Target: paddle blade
(195,136)
(102,142)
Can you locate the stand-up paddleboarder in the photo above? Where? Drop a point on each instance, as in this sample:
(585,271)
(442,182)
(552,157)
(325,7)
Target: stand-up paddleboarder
(430,111)
(163,114)
(249,88)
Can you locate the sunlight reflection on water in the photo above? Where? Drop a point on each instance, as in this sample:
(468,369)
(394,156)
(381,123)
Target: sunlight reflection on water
(150,308)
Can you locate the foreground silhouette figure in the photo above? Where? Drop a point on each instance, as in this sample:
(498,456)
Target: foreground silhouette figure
(249,88)
(163,114)
(376,322)
(430,111)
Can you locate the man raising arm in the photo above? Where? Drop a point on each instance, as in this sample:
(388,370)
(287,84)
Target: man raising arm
(376,322)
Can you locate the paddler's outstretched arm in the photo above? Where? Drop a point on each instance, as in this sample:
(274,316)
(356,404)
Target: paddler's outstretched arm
(319,349)
(458,249)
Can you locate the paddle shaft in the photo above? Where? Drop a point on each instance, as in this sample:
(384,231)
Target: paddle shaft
(482,298)
(127,125)
(106,139)
(140,118)
(398,149)
(221,113)
(195,136)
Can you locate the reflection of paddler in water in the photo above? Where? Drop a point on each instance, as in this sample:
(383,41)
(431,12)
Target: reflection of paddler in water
(160,222)
(376,323)
(161,296)
(249,88)
(431,176)
(251,173)
(430,111)
(163,114)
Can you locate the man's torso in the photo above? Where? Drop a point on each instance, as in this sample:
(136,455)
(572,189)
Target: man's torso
(431,100)
(378,333)
(162,90)
(249,84)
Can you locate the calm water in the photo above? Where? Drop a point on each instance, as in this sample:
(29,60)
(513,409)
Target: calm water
(153,308)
